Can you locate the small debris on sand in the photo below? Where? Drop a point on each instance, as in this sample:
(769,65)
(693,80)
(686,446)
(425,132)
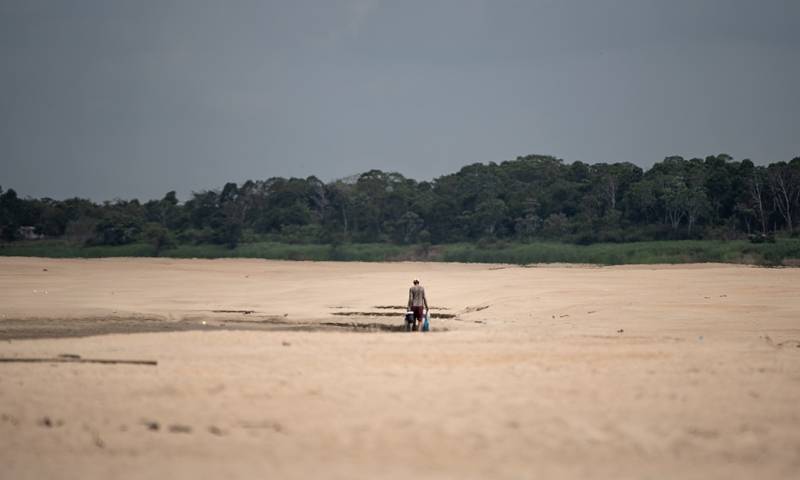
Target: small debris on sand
(214,430)
(268,425)
(620,331)
(180,428)
(10,419)
(151,425)
(286,344)
(476,308)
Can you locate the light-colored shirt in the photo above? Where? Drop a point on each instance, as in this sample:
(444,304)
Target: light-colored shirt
(416,297)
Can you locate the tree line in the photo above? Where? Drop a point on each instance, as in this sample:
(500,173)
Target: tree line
(530,198)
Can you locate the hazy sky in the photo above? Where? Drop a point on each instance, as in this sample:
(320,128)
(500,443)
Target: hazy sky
(117,99)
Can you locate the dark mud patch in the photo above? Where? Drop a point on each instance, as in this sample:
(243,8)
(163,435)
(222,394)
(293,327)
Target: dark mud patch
(400,307)
(21,329)
(32,329)
(387,314)
(270,320)
(378,327)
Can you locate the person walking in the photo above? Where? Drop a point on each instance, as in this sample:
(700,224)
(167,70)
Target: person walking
(417,303)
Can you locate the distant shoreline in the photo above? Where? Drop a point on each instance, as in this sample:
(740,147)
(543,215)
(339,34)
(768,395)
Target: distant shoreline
(784,252)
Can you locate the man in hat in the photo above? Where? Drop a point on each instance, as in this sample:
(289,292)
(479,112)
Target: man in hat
(417,303)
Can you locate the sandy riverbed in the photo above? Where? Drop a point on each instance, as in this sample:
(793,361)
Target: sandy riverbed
(686,371)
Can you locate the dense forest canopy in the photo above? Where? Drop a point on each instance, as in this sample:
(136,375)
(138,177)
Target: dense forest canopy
(531,198)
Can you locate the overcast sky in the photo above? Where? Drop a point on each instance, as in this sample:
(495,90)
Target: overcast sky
(117,99)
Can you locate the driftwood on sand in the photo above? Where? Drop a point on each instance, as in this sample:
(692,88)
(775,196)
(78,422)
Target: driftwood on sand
(69,358)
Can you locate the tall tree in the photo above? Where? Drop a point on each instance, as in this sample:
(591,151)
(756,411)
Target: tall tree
(784,183)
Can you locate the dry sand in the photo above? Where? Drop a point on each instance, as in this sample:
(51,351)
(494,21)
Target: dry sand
(688,371)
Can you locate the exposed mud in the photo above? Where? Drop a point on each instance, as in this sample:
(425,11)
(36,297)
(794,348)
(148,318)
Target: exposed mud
(15,329)
(387,314)
(31,328)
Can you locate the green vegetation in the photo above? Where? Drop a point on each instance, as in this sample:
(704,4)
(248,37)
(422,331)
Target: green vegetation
(62,249)
(532,209)
(782,252)
(268,250)
(678,251)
